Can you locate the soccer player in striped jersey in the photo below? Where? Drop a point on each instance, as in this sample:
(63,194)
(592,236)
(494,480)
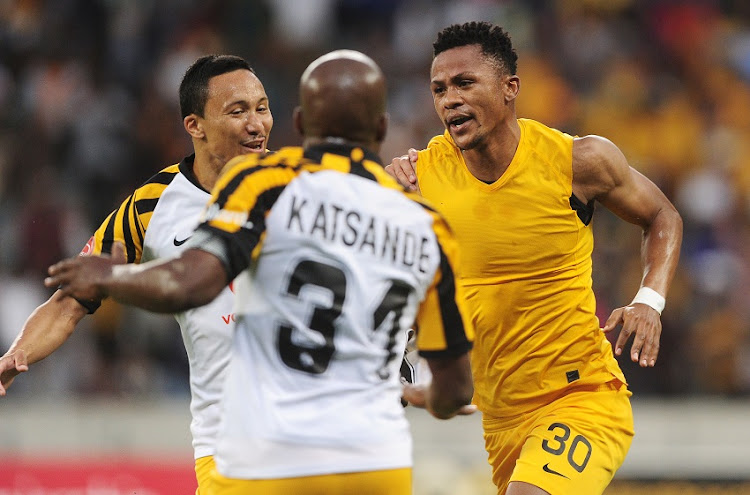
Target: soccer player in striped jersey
(225,110)
(333,261)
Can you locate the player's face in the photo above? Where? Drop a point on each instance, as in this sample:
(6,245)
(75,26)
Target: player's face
(468,93)
(236,119)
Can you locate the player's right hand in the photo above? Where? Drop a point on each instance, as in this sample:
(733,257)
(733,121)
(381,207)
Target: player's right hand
(10,366)
(403,169)
(84,277)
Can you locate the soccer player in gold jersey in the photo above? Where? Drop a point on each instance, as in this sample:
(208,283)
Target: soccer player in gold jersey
(520,196)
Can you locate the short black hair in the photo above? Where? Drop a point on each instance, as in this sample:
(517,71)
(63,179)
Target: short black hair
(495,42)
(194,85)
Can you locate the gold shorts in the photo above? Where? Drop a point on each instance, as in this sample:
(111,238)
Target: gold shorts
(392,481)
(572,446)
(203,468)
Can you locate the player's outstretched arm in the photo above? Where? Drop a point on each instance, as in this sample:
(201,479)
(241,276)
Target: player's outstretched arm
(44,331)
(163,286)
(450,392)
(601,172)
(404,170)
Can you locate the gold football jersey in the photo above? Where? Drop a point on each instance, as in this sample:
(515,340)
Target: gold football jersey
(526,245)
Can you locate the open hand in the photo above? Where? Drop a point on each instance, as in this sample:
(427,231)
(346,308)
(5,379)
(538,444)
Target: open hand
(644,322)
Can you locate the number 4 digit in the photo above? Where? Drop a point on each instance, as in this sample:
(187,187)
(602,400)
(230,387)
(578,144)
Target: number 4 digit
(394,301)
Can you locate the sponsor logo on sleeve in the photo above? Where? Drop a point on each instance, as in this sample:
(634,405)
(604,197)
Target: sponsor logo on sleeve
(89,247)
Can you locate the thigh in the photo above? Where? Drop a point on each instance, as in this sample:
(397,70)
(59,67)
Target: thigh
(203,468)
(577,444)
(392,481)
(503,444)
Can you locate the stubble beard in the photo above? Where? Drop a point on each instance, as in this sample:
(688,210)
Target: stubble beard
(475,141)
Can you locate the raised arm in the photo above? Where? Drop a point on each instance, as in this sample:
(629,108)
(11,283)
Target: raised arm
(601,173)
(44,331)
(163,286)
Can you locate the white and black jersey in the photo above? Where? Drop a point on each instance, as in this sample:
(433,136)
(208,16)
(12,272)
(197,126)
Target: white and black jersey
(334,262)
(155,222)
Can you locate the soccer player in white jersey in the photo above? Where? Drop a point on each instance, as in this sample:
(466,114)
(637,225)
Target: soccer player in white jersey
(225,110)
(333,261)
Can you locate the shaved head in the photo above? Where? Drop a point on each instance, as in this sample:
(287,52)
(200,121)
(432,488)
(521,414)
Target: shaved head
(343,95)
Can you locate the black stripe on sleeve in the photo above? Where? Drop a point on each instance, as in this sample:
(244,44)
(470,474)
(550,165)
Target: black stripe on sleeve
(146,205)
(161,178)
(108,238)
(235,182)
(456,342)
(138,226)
(126,234)
(240,244)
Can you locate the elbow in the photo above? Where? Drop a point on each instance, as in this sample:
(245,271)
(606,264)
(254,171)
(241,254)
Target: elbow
(674,219)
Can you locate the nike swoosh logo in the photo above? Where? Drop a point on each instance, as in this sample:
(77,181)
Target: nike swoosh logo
(180,243)
(549,470)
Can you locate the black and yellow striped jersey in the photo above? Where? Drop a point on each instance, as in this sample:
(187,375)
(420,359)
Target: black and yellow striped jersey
(334,262)
(155,221)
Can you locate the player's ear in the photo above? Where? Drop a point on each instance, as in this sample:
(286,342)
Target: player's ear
(297,121)
(193,126)
(511,88)
(382,128)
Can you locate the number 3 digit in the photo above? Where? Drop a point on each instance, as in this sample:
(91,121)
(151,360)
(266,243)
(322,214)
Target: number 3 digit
(562,439)
(314,360)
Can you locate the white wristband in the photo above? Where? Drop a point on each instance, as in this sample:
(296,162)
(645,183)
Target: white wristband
(650,297)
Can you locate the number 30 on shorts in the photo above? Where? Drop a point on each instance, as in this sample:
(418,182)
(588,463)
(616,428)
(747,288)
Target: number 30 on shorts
(577,449)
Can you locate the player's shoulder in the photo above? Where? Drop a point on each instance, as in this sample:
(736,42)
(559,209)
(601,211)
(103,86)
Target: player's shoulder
(439,148)
(154,186)
(165,176)
(288,157)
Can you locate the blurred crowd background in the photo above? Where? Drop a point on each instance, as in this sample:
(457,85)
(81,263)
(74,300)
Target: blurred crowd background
(89,111)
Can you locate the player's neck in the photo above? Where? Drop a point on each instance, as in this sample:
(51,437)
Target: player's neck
(328,140)
(489,160)
(206,172)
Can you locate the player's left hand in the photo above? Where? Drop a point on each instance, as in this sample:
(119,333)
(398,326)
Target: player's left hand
(82,277)
(644,322)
